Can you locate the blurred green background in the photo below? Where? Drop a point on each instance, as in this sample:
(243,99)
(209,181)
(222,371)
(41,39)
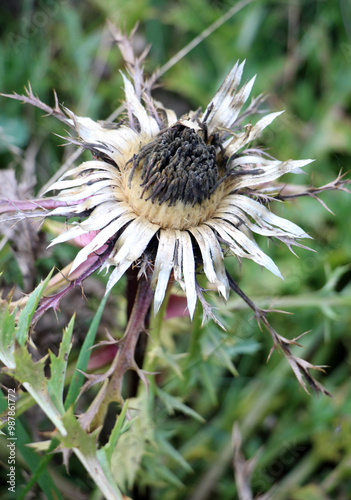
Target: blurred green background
(301,52)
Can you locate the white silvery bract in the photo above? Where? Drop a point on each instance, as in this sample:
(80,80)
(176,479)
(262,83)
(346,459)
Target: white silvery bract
(174,194)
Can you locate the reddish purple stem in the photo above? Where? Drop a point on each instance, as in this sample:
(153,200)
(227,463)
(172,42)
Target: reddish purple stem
(28,205)
(54,300)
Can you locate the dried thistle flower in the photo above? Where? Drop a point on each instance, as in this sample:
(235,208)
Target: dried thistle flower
(174,193)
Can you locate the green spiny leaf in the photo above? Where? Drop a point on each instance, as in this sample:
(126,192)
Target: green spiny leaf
(76,436)
(132,445)
(58,368)
(32,376)
(116,433)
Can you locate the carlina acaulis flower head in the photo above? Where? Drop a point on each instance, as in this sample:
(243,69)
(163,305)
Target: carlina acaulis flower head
(175,194)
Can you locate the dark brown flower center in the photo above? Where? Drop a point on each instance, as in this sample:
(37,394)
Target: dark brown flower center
(177,166)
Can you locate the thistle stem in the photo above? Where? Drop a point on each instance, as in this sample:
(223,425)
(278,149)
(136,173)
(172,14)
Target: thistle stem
(135,326)
(124,360)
